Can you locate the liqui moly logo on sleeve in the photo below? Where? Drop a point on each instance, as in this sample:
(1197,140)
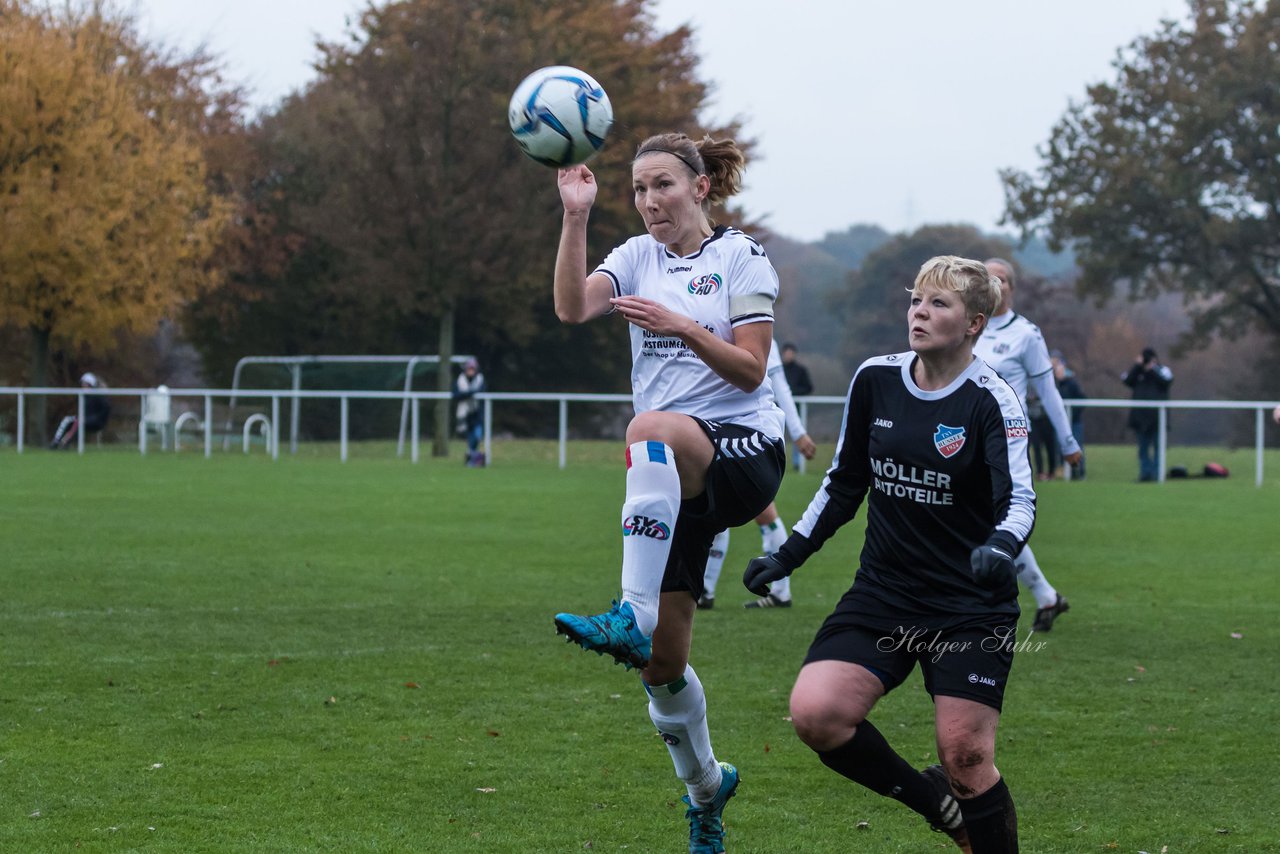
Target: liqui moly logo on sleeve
(1015,428)
(948,440)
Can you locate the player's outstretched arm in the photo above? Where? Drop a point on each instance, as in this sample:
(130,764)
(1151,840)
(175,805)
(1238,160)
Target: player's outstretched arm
(578,297)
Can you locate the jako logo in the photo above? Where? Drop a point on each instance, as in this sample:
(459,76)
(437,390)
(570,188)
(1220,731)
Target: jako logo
(671,270)
(704,285)
(975,679)
(643,526)
(881,422)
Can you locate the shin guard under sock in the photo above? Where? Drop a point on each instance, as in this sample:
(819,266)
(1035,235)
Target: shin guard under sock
(648,524)
(991,821)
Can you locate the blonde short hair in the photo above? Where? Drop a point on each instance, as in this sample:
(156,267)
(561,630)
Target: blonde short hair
(978,289)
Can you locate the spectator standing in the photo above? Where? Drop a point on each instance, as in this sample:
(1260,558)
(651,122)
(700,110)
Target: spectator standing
(1069,388)
(1149,380)
(470,415)
(801,385)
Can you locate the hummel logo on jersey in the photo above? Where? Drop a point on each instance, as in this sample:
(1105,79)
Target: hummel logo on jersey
(882,422)
(948,440)
(671,270)
(643,526)
(705,285)
(1015,428)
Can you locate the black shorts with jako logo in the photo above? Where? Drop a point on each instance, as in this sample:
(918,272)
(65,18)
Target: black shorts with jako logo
(971,659)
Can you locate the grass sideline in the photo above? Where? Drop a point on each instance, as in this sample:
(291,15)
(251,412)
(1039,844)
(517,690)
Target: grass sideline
(234,654)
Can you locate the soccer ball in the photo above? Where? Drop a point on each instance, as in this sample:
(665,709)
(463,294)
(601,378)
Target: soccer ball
(560,116)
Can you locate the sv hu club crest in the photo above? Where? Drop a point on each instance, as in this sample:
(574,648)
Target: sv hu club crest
(705,285)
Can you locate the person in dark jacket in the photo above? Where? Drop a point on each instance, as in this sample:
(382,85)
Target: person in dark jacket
(1069,389)
(1149,380)
(97,409)
(800,384)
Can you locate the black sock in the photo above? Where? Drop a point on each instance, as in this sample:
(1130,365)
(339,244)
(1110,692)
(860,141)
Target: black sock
(868,759)
(991,821)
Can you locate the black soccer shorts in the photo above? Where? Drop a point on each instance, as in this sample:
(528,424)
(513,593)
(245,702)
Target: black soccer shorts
(971,660)
(742,481)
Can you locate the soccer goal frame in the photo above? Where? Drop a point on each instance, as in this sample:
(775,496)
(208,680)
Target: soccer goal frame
(295,364)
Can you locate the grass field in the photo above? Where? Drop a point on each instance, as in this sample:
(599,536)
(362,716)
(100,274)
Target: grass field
(238,655)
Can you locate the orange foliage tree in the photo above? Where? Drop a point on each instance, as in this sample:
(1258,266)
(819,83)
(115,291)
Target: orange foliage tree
(108,222)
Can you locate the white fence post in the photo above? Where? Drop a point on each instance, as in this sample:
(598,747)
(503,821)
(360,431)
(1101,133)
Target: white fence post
(564,430)
(1259,425)
(275,427)
(208,426)
(488,432)
(416,424)
(342,428)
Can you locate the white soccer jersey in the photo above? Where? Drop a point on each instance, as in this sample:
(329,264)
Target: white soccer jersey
(727,283)
(1014,346)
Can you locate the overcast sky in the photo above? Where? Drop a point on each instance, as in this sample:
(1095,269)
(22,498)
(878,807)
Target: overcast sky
(893,113)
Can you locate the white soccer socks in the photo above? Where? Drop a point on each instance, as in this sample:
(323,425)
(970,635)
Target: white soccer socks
(772,536)
(1030,575)
(679,711)
(648,524)
(715,563)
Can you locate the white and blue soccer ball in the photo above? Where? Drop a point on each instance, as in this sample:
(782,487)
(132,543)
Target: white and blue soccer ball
(560,116)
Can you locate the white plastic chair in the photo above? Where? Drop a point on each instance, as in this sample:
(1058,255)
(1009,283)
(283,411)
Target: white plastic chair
(156,413)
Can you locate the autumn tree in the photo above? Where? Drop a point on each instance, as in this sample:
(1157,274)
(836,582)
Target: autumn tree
(108,223)
(1167,179)
(423,228)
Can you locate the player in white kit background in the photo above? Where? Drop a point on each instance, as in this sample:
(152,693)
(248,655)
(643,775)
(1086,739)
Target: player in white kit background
(704,450)
(773,531)
(1013,345)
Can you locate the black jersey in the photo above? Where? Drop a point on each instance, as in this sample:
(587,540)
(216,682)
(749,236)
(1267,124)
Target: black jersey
(945,469)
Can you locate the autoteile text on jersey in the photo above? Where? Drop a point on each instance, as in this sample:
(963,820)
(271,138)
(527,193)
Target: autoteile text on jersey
(922,485)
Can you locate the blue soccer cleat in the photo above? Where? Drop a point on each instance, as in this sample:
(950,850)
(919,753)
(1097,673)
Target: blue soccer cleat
(706,829)
(615,632)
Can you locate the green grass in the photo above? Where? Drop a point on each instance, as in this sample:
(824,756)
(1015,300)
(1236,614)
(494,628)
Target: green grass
(233,654)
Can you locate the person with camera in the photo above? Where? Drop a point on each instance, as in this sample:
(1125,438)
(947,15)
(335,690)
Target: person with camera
(1149,380)
(935,441)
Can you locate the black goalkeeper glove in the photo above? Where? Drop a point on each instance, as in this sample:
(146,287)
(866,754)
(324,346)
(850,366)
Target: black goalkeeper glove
(992,562)
(764,570)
